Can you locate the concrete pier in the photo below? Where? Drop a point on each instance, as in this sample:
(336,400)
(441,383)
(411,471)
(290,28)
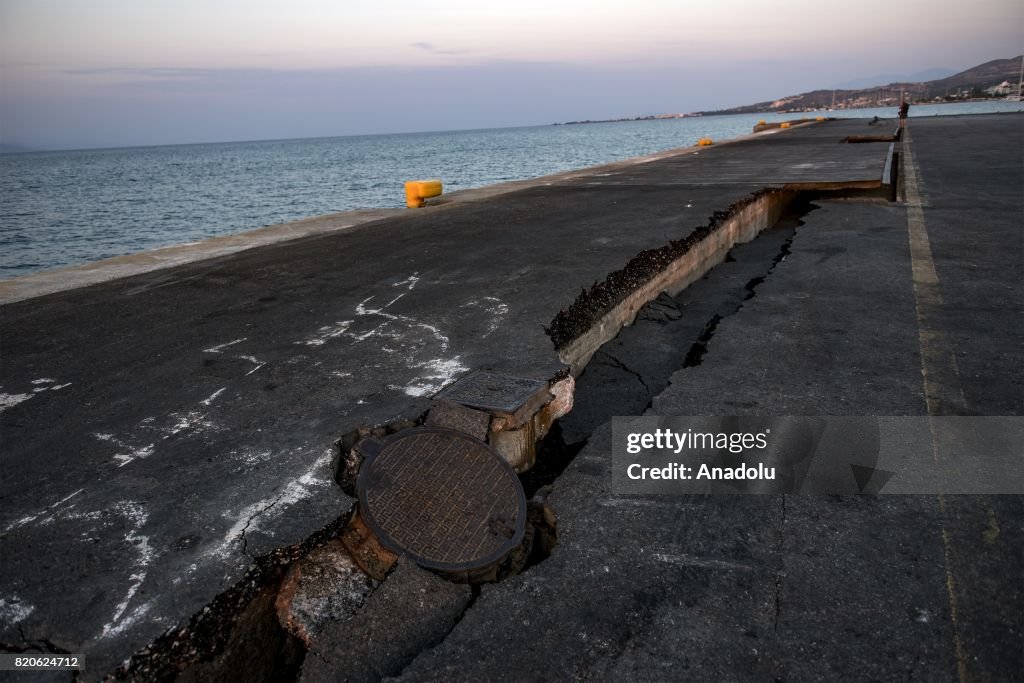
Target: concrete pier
(165,432)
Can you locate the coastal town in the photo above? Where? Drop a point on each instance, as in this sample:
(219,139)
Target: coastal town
(997,80)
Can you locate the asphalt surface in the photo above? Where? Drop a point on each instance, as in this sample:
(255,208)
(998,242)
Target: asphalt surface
(802,587)
(163,430)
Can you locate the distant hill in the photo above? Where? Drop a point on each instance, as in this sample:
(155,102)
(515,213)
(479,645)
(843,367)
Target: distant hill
(965,84)
(873,81)
(982,76)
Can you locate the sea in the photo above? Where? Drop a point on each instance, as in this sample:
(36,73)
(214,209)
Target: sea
(71,207)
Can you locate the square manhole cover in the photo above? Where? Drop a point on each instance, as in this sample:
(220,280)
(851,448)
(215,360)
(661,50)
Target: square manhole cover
(492,391)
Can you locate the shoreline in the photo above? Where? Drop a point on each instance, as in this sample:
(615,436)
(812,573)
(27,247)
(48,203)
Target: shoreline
(64,278)
(783,112)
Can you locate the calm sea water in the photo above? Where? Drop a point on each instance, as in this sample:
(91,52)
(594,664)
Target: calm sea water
(63,208)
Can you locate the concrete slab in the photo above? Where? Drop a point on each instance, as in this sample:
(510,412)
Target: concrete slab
(832,331)
(814,154)
(409,613)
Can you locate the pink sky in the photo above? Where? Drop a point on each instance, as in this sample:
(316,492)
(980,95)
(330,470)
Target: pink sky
(111,72)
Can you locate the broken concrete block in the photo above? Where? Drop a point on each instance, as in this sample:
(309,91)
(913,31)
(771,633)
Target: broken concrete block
(562,393)
(412,611)
(325,585)
(515,399)
(519,446)
(459,417)
(349,457)
(366,549)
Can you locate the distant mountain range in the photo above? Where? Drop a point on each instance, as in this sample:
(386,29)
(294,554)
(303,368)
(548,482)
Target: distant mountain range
(948,86)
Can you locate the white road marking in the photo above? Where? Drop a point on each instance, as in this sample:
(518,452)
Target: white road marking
(192,421)
(250,517)
(131,452)
(327,333)
(220,347)
(395,336)
(11,400)
(135,513)
(213,396)
(45,512)
(13,610)
(497,308)
(40,385)
(440,371)
(412,281)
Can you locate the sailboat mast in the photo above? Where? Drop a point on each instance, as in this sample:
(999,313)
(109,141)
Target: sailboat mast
(1021,81)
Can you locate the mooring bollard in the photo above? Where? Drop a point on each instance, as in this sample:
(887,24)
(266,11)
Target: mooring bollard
(418,190)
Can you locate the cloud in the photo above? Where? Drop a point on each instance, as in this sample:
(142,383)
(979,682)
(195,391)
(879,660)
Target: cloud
(433,49)
(143,72)
(124,104)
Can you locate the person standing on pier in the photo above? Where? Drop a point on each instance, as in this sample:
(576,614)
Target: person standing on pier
(904,108)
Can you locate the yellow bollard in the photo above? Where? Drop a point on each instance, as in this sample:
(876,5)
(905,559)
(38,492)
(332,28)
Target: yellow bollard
(785,125)
(704,142)
(418,190)
(819,118)
(761,122)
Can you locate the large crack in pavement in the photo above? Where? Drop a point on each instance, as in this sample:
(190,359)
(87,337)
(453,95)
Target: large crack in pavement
(788,223)
(216,627)
(623,377)
(627,373)
(593,303)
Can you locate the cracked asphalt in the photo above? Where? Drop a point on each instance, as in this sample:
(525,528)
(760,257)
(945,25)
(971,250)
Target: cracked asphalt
(807,588)
(169,427)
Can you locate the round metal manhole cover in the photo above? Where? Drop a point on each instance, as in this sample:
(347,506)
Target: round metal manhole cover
(442,498)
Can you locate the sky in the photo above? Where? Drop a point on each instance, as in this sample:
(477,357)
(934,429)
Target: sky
(99,73)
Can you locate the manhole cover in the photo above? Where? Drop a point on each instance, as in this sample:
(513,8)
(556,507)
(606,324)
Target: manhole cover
(442,498)
(492,391)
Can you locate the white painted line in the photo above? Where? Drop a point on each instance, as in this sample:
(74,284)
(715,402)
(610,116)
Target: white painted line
(327,333)
(440,371)
(11,400)
(249,518)
(131,452)
(220,347)
(133,512)
(412,281)
(43,513)
(14,610)
(213,396)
